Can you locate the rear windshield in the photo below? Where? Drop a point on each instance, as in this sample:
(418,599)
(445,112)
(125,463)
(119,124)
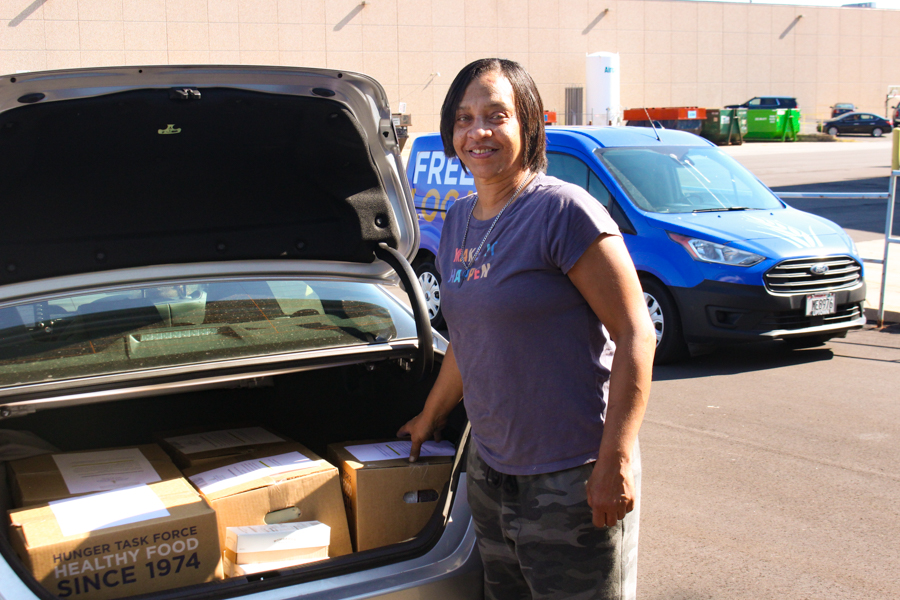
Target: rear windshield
(188,323)
(678,179)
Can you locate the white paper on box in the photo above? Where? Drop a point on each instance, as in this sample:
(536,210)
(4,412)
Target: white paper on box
(281,536)
(104,470)
(400,449)
(107,509)
(226,438)
(222,478)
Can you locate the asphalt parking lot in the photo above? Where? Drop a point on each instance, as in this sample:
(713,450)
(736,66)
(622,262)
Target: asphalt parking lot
(772,473)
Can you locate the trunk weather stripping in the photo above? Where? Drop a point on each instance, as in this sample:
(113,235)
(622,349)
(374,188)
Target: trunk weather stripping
(425,354)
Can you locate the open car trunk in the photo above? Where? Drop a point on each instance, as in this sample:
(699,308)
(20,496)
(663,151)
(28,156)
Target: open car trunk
(192,247)
(314,407)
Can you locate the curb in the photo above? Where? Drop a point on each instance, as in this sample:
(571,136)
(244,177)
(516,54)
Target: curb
(890,316)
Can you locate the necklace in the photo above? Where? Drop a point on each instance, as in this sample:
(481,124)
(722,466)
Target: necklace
(468,265)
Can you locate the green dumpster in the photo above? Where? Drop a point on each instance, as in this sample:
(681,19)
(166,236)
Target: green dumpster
(725,126)
(773,124)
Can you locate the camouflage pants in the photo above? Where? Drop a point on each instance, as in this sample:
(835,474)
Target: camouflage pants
(537,540)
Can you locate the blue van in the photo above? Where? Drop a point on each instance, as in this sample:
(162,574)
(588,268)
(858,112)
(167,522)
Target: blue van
(720,257)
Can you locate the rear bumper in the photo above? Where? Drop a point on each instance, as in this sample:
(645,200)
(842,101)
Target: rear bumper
(721,312)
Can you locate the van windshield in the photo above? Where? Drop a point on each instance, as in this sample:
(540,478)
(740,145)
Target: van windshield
(678,179)
(121,330)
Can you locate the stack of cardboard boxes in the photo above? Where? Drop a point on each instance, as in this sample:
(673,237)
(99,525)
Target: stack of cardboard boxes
(111,523)
(204,505)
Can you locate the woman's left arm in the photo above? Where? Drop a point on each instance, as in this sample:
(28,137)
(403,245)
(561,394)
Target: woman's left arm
(606,278)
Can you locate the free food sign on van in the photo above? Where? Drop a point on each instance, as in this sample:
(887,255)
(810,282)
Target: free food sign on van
(437,181)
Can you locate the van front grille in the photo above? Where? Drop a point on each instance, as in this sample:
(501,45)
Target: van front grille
(798,319)
(810,275)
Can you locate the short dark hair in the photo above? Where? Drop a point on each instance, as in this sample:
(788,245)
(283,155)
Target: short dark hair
(529,108)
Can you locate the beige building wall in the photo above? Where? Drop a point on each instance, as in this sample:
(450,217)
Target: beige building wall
(673,53)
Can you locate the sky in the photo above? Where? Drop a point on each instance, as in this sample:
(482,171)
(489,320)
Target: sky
(878,4)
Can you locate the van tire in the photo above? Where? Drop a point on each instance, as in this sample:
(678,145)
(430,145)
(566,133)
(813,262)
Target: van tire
(430,280)
(670,344)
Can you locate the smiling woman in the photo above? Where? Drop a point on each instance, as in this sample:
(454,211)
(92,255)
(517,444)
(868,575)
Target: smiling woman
(553,416)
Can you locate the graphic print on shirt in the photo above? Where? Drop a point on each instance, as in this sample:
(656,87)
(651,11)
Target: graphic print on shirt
(463,256)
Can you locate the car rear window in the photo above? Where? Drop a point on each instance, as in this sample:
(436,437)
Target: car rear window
(123,330)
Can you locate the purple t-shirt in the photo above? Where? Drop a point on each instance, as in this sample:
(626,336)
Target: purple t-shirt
(534,357)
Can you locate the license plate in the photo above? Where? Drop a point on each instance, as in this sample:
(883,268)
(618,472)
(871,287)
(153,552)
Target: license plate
(819,304)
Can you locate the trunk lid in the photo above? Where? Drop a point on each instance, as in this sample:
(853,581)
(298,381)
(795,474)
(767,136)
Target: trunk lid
(131,167)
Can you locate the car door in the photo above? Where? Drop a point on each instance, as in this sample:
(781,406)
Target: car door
(848,124)
(865,124)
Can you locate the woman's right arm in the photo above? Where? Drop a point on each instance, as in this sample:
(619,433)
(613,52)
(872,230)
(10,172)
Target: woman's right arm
(443,398)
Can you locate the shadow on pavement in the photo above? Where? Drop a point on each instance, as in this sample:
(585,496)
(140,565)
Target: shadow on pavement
(743,358)
(891,328)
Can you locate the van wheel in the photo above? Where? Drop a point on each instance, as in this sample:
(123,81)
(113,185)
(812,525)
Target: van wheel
(430,280)
(877,132)
(670,345)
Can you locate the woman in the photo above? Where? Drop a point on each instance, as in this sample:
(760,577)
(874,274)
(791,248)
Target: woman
(535,274)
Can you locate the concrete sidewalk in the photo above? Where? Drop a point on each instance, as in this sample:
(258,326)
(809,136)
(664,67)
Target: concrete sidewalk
(875,249)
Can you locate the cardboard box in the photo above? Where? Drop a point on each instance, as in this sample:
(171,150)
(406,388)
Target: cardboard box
(388,501)
(283,542)
(41,479)
(125,542)
(264,488)
(197,447)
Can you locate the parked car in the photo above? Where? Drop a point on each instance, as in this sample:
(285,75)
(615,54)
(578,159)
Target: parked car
(205,245)
(767,102)
(841,108)
(858,122)
(896,118)
(720,257)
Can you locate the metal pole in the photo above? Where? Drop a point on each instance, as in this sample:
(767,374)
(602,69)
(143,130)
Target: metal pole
(888,234)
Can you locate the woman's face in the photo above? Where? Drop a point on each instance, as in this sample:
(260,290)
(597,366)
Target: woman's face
(487,135)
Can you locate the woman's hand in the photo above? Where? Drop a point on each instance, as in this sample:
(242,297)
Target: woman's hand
(444,396)
(420,429)
(610,492)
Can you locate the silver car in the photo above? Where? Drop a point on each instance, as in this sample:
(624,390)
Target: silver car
(186,246)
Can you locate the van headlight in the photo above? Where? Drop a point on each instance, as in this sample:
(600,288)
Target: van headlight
(711,252)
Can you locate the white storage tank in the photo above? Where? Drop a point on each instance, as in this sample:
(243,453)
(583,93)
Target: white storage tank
(602,91)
